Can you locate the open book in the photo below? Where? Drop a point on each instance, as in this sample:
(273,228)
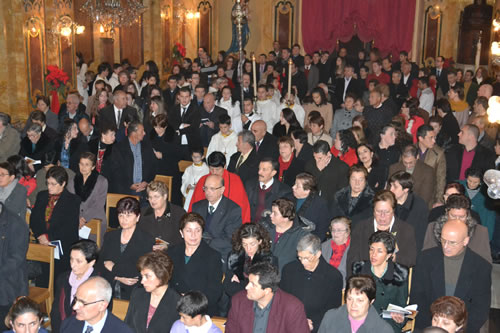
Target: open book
(391,308)
(32,161)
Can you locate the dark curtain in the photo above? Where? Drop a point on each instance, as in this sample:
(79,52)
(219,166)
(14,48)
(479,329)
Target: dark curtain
(388,23)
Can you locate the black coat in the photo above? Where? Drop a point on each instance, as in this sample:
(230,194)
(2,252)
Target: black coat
(107,116)
(405,239)
(14,238)
(377,119)
(236,265)
(123,165)
(362,210)
(268,147)
(415,212)
(315,209)
(473,286)
(319,291)
(170,97)
(206,132)
(442,80)
(192,117)
(484,160)
(139,244)
(248,169)
(331,179)
(203,272)
(44,150)
(354,87)
(165,227)
(278,190)
(63,224)
(297,166)
(306,153)
(450,128)
(280,130)
(106,167)
(219,228)
(163,318)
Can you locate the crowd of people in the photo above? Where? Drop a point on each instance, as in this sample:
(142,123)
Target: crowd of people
(314,208)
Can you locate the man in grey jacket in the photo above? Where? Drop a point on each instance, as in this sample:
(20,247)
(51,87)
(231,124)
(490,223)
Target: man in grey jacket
(10,141)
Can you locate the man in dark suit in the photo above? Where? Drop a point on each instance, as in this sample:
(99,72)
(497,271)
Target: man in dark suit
(311,72)
(299,81)
(115,114)
(209,118)
(467,154)
(266,145)
(222,216)
(90,304)
(246,82)
(185,120)
(170,94)
(262,298)
(263,190)
(72,110)
(453,269)
(245,162)
(297,58)
(347,85)
(87,131)
(134,162)
(441,75)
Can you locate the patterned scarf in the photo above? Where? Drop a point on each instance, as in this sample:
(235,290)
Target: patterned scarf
(338,252)
(50,207)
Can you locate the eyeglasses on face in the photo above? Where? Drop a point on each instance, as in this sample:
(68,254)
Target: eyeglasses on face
(83,303)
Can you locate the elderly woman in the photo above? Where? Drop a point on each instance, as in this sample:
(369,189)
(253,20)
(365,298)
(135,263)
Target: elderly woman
(355,200)
(344,147)
(384,206)
(83,256)
(92,189)
(358,314)
(251,245)
(161,218)
(390,278)
(67,147)
(121,249)
(197,265)
(25,316)
(450,314)
(37,146)
(55,216)
(309,205)
(335,250)
(367,158)
(314,282)
(153,307)
(12,193)
(290,166)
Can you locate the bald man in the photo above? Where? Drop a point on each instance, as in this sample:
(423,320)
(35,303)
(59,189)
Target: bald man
(90,304)
(485,90)
(452,269)
(115,114)
(222,216)
(266,145)
(87,130)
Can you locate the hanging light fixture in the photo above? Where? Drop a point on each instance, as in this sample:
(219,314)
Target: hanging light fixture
(112,14)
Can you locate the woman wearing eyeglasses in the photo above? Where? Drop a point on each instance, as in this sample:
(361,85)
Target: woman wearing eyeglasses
(314,282)
(83,256)
(122,248)
(384,205)
(335,250)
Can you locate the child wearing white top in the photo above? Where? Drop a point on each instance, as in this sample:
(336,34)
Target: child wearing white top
(192,174)
(225,140)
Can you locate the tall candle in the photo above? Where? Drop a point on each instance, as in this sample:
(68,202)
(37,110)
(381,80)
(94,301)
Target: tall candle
(478,51)
(289,76)
(254,76)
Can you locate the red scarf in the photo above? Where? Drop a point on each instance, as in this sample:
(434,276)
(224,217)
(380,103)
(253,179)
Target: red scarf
(50,207)
(338,252)
(284,166)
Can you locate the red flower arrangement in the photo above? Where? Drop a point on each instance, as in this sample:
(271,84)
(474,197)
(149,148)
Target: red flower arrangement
(57,79)
(179,52)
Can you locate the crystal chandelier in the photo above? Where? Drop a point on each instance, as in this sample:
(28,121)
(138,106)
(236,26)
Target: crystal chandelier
(111,14)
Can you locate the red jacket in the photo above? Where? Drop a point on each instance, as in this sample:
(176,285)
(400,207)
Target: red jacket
(350,158)
(383,78)
(287,314)
(417,122)
(234,190)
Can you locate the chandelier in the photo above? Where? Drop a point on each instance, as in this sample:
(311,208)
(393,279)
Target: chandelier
(111,14)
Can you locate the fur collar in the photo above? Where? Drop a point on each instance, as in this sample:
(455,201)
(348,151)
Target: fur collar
(84,190)
(365,199)
(396,274)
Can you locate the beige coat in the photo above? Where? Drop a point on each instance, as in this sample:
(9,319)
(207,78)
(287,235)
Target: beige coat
(326,112)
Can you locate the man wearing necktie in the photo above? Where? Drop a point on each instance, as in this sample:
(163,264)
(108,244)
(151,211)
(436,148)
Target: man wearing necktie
(90,304)
(222,216)
(441,76)
(115,114)
(311,72)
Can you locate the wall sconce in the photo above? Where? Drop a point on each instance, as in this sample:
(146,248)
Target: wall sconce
(190,15)
(165,12)
(65,26)
(32,26)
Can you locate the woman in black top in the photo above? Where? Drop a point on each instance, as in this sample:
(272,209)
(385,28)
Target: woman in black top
(450,125)
(368,159)
(287,124)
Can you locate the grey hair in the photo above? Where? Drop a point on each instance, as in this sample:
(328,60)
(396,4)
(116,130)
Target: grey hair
(4,118)
(103,288)
(439,223)
(35,128)
(248,137)
(310,243)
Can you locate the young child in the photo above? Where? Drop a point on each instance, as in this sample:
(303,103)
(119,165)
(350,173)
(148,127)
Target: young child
(192,308)
(225,140)
(192,174)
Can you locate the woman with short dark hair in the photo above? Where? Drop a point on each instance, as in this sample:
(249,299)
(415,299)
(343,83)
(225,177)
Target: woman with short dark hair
(25,313)
(83,255)
(153,307)
(37,146)
(121,249)
(450,314)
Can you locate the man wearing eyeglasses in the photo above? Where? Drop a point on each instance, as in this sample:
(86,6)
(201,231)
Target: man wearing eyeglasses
(452,269)
(222,216)
(90,304)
